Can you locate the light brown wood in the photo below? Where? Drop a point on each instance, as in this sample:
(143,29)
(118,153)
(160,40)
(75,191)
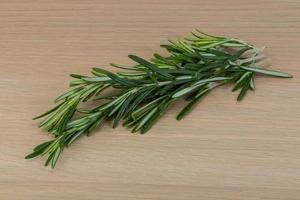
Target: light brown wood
(223,150)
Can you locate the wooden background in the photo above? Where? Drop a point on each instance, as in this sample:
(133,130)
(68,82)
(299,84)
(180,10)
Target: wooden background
(223,150)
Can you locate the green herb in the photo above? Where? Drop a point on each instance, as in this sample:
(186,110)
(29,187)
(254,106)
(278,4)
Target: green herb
(144,91)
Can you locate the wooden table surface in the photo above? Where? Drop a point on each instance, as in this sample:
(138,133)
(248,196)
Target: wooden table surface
(223,150)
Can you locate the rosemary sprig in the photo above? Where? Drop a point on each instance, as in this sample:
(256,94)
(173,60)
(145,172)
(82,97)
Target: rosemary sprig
(144,91)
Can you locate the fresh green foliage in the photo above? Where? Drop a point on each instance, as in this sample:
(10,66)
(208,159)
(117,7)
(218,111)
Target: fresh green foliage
(143,92)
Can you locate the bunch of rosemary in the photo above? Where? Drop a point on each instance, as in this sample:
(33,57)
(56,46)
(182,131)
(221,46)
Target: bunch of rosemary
(193,68)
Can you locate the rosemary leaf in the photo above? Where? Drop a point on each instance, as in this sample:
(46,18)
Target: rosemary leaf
(267,72)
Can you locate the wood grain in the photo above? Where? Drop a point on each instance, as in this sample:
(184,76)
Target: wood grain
(223,150)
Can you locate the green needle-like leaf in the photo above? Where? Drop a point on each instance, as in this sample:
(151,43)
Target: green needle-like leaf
(267,72)
(186,110)
(149,65)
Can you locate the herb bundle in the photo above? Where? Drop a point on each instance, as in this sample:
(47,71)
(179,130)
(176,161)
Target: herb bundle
(144,91)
